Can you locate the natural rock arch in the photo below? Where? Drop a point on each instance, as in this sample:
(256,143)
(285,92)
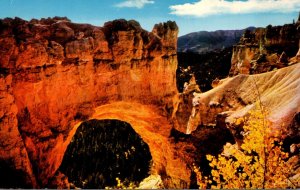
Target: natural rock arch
(56,74)
(154,130)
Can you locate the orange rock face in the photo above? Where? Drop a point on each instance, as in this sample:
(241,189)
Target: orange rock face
(56,74)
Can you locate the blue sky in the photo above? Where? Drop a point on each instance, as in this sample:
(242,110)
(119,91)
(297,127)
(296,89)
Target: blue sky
(190,15)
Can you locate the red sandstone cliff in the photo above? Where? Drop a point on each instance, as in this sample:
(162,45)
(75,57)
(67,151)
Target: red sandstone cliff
(56,74)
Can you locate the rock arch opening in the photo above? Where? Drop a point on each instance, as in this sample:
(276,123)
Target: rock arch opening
(103,150)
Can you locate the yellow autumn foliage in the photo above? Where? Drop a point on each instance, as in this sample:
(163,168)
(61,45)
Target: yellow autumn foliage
(123,185)
(259,162)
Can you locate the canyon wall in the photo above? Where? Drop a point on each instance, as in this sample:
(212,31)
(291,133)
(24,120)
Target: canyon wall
(56,74)
(266,49)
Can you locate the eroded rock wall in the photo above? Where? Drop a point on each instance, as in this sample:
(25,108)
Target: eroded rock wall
(56,74)
(266,49)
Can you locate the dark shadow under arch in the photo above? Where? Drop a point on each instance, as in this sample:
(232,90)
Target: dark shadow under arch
(103,150)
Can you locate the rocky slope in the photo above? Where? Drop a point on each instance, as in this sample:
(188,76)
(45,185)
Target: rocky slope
(278,92)
(56,74)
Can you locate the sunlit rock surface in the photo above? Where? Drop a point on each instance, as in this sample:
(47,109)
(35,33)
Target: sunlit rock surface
(56,74)
(151,182)
(278,92)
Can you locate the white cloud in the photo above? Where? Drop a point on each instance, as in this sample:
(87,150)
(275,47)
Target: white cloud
(134,3)
(204,8)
